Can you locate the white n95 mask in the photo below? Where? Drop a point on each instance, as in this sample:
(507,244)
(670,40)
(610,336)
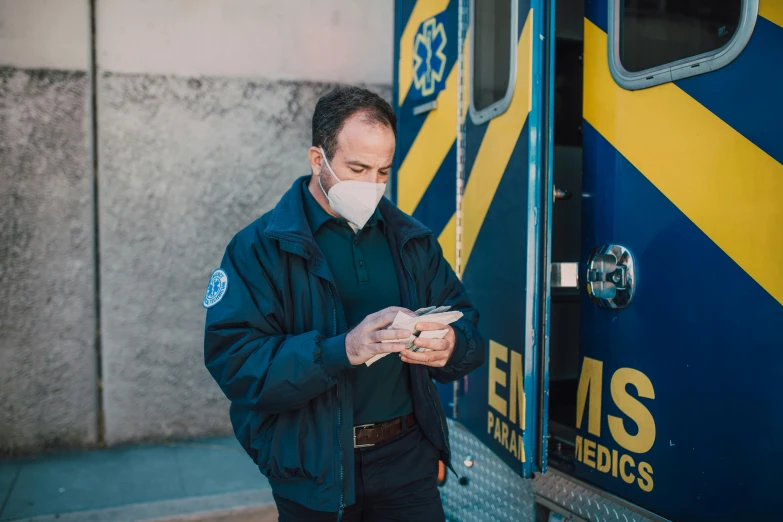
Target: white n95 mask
(354,200)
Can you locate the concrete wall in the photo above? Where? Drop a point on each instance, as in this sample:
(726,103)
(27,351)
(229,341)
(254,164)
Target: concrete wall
(48,387)
(204,122)
(45,34)
(315,40)
(203,117)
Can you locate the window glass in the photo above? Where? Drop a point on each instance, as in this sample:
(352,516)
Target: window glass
(492,41)
(659,32)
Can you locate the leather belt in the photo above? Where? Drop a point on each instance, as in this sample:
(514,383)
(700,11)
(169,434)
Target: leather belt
(367,435)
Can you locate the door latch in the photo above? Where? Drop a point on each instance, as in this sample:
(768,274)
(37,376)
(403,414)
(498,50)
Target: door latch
(564,275)
(611,276)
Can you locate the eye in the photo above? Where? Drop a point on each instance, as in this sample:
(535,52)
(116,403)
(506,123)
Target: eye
(357,171)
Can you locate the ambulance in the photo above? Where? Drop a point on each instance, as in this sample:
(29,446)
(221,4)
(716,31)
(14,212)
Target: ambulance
(606,177)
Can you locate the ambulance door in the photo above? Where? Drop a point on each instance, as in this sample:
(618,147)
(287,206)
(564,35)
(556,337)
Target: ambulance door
(500,229)
(471,165)
(677,408)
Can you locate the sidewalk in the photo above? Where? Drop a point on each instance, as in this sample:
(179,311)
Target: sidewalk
(211,479)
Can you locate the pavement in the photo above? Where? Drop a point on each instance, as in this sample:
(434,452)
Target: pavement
(203,480)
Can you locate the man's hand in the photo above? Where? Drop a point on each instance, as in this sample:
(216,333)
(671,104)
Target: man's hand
(440,349)
(364,342)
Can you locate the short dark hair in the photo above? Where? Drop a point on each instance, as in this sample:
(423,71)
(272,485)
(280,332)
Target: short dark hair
(341,103)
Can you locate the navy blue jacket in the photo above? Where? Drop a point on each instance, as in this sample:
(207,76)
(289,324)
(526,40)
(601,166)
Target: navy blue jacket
(275,346)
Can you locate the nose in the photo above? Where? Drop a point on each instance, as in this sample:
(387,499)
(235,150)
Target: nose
(373,176)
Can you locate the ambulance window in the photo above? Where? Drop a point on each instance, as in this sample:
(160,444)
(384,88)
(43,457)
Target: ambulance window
(656,41)
(493,57)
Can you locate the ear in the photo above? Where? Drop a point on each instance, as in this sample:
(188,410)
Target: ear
(316,160)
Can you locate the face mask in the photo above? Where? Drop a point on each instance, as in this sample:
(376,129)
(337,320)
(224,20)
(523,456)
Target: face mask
(354,200)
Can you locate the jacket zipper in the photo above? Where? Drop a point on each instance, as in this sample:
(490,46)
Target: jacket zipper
(339,415)
(337,388)
(429,391)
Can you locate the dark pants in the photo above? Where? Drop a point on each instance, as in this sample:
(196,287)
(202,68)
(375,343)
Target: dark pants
(397,480)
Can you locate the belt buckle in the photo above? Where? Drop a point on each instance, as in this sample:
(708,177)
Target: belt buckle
(354,435)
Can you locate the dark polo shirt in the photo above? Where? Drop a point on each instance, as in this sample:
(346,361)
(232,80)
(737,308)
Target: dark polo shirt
(366,281)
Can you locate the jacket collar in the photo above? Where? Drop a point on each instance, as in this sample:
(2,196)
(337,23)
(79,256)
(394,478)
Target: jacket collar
(288,223)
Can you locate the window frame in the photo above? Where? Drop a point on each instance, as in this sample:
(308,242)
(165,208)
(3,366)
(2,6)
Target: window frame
(680,69)
(499,107)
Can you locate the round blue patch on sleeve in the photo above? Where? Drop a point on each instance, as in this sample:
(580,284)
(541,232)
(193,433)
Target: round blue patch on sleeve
(218,284)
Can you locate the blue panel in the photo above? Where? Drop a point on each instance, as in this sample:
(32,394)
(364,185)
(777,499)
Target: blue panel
(707,336)
(597,11)
(474,134)
(496,279)
(497,287)
(746,94)
(440,200)
(408,124)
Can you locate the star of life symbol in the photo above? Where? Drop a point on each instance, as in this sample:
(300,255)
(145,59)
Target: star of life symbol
(218,284)
(429,59)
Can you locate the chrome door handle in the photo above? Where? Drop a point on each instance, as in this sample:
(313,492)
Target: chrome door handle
(611,276)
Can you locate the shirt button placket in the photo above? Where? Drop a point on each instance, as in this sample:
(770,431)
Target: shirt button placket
(361,270)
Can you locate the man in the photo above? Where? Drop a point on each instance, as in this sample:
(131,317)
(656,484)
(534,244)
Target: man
(303,300)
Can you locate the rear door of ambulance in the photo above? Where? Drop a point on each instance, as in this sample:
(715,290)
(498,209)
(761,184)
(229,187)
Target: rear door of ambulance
(678,406)
(470,165)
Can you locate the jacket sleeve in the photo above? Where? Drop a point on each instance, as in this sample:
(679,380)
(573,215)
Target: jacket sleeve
(246,350)
(445,289)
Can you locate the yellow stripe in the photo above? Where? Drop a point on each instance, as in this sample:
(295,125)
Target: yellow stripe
(496,148)
(772,10)
(448,241)
(724,183)
(423,10)
(429,149)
